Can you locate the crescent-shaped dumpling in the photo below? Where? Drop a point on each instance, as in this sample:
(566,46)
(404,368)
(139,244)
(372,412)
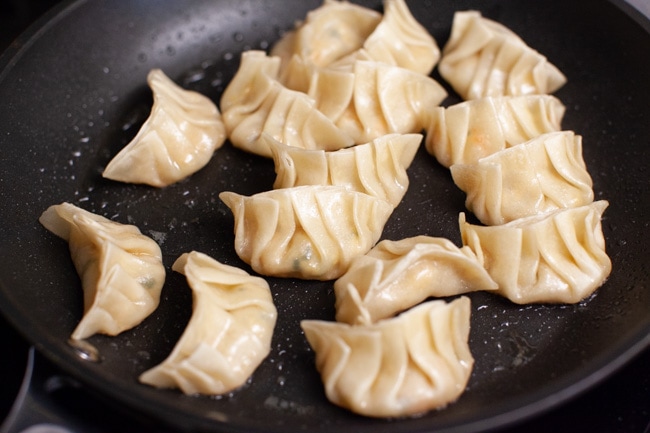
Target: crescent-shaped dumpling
(329,32)
(179,138)
(396,275)
(403,366)
(466,132)
(121,269)
(377,168)
(256,103)
(228,335)
(540,175)
(310,232)
(485,58)
(398,40)
(374,99)
(557,257)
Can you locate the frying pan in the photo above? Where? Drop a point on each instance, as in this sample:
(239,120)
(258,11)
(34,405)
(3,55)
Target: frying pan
(73,93)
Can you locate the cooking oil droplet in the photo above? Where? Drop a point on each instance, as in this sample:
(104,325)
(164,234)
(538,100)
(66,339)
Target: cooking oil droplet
(238,37)
(85,350)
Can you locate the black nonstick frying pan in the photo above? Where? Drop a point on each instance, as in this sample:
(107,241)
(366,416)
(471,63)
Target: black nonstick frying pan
(74,93)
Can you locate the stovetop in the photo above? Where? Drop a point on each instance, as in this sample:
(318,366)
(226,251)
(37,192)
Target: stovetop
(619,404)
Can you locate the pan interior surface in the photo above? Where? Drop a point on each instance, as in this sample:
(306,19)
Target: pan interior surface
(74,93)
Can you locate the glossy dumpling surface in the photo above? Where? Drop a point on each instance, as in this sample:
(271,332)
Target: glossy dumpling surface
(179,138)
(309,232)
(396,275)
(228,335)
(466,132)
(399,40)
(121,269)
(333,30)
(373,99)
(543,174)
(377,168)
(256,103)
(558,257)
(485,58)
(397,367)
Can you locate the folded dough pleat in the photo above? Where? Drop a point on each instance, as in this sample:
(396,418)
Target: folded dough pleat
(557,257)
(377,168)
(485,58)
(396,275)
(403,366)
(376,99)
(179,138)
(466,132)
(228,335)
(256,103)
(121,269)
(309,232)
(540,175)
(398,40)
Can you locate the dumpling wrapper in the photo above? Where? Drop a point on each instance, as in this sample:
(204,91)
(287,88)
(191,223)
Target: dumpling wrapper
(466,132)
(178,138)
(377,168)
(121,269)
(403,366)
(228,335)
(310,232)
(256,103)
(396,275)
(484,58)
(398,40)
(557,257)
(338,33)
(332,31)
(540,175)
(372,99)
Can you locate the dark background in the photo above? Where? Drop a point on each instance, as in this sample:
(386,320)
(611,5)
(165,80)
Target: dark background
(619,404)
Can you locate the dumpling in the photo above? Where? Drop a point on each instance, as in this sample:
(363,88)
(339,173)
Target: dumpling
(557,257)
(376,99)
(256,103)
(329,32)
(309,232)
(121,269)
(485,58)
(228,335)
(397,367)
(338,33)
(396,275)
(179,138)
(466,132)
(398,40)
(377,168)
(543,174)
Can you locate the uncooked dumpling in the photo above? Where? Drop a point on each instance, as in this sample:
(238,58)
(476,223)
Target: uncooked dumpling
(178,139)
(309,232)
(396,275)
(485,58)
(377,168)
(557,257)
(121,269)
(228,335)
(466,132)
(397,367)
(540,175)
